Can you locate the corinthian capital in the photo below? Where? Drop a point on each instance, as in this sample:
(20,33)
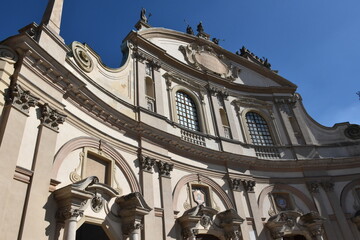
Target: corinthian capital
(164,168)
(146,163)
(68,212)
(21,99)
(51,117)
(249,185)
(313,187)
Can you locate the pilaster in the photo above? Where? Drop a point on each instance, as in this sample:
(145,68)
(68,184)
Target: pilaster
(314,189)
(240,201)
(254,208)
(328,187)
(165,169)
(12,126)
(39,186)
(146,166)
(160,93)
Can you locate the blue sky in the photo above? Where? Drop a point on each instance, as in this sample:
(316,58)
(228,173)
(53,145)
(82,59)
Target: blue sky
(314,44)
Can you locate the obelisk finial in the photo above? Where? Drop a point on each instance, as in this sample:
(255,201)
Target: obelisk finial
(52,15)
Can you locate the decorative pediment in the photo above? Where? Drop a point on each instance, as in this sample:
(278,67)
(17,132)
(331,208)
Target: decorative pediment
(205,219)
(206,59)
(288,222)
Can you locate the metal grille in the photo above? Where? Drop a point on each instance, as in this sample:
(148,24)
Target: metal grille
(259,130)
(186,111)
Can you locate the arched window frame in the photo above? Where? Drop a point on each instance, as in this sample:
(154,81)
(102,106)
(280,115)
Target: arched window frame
(267,119)
(150,93)
(196,99)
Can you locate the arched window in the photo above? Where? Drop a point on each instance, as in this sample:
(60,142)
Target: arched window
(258,130)
(186,111)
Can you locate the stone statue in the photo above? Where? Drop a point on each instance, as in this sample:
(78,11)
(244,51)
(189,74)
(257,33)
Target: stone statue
(200,28)
(143,15)
(189,30)
(216,40)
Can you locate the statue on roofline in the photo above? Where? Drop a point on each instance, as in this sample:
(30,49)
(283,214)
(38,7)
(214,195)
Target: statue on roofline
(143,15)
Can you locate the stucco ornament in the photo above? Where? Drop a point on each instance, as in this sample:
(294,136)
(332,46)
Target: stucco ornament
(206,59)
(8,54)
(81,56)
(353,131)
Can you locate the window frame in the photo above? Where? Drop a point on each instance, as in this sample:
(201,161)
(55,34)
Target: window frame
(268,120)
(199,107)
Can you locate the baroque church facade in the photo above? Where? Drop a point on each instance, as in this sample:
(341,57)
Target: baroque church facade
(185,140)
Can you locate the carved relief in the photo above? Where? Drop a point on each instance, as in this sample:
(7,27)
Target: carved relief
(206,59)
(352,131)
(82,58)
(235,184)
(97,203)
(51,117)
(21,99)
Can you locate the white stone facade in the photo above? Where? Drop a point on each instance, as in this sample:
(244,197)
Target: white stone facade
(184,141)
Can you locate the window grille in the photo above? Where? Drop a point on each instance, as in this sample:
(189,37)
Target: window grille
(258,129)
(186,111)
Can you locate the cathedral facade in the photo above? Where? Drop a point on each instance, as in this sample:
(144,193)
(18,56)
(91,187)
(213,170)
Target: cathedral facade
(185,140)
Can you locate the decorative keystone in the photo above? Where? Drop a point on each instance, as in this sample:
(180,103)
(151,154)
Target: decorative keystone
(164,168)
(51,117)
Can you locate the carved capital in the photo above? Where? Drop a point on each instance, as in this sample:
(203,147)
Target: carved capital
(249,185)
(327,186)
(313,187)
(130,228)
(232,235)
(235,184)
(51,117)
(68,212)
(21,99)
(187,233)
(147,164)
(164,168)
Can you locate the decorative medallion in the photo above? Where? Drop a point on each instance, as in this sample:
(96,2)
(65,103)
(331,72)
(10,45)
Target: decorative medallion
(97,203)
(199,197)
(353,131)
(206,59)
(81,56)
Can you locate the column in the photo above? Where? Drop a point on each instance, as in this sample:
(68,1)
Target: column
(70,226)
(237,191)
(254,208)
(146,166)
(12,128)
(166,197)
(314,190)
(335,204)
(33,222)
